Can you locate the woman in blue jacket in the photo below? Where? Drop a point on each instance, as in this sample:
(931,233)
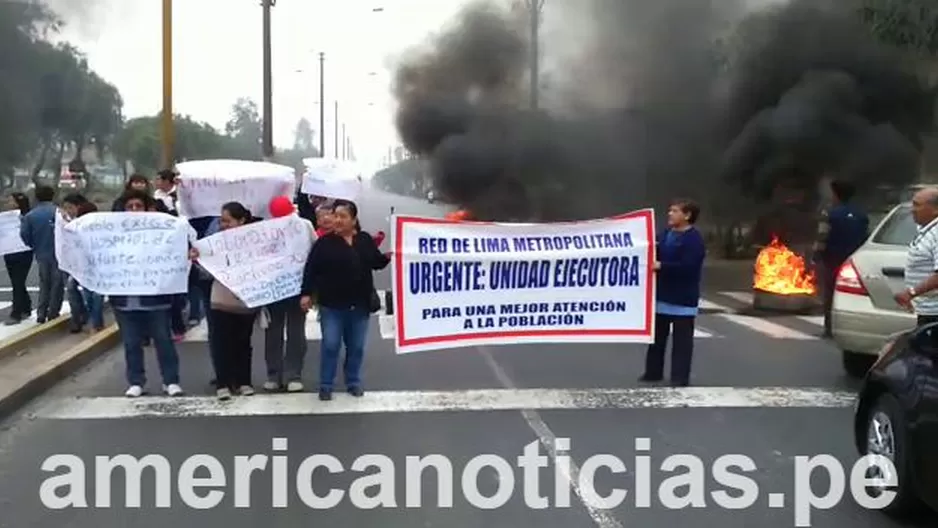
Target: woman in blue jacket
(679,268)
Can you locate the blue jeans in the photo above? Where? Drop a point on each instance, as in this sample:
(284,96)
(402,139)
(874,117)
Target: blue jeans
(338,326)
(94,303)
(135,326)
(196,312)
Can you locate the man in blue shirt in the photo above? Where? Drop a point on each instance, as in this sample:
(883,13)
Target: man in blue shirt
(38,232)
(843,228)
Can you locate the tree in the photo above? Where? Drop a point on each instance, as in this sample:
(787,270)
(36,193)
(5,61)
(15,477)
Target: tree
(245,129)
(911,25)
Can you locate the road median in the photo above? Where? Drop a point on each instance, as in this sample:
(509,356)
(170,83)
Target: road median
(31,337)
(28,371)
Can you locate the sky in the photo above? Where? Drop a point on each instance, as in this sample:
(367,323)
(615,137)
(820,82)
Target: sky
(218,58)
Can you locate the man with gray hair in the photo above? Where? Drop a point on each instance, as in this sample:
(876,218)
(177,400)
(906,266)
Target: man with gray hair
(921,266)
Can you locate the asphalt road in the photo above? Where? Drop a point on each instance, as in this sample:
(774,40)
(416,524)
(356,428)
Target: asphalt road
(463,394)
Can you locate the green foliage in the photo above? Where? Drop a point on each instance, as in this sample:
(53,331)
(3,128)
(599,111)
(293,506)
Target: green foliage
(907,24)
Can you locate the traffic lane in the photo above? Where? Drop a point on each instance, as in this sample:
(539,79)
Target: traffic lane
(771,438)
(735,356)
(383,369)
(457,436)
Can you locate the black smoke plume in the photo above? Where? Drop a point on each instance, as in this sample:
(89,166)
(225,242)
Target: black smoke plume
(815,95)
(649,109)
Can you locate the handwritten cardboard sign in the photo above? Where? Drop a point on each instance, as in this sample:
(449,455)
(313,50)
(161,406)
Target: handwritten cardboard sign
(10,240)
(125,253)
(205,186)
(331,178)
(261,263)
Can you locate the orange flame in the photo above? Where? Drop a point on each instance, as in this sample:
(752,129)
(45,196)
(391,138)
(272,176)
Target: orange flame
(780,270)
(458,216)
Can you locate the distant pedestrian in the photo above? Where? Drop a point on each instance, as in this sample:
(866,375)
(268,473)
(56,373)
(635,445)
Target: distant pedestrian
(921,277)
(841,231)
(679,268)
(18,265)
(136,182)
(38,232)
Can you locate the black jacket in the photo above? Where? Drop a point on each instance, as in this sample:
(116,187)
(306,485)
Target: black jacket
(342,275)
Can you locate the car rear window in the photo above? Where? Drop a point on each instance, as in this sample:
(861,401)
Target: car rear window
(898,230)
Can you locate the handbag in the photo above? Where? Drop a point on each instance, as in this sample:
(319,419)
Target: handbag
(374,303)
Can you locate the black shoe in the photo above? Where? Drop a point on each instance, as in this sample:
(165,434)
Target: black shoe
(358,392)
(40,320)
(648,379)
(325,394)
(14,320)
(680,383)
(75,329)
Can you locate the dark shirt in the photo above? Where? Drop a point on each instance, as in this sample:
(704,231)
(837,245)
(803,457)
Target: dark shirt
(341,275)
(681,255)
(848,229)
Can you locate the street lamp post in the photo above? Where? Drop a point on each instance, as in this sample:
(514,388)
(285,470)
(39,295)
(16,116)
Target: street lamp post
(322,105)
(534,11)
(335,127)
(166,121)
(268,140)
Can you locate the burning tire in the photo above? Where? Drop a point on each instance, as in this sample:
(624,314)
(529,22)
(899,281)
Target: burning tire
(781,281)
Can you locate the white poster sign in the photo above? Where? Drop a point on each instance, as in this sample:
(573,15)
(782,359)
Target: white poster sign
(205,185)
(10,239)
(126,253)
(262,262)
(460,284)
(331,178)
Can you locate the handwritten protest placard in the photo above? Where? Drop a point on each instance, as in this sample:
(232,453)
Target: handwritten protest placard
(462,284)
(205,185)
(126,253)
(10,240)
(331,178)
(262,262)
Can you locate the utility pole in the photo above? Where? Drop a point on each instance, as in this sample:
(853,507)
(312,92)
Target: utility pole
(534,11)
(166,121)
(344,143)
(335,126)
(322,105)
(268,140)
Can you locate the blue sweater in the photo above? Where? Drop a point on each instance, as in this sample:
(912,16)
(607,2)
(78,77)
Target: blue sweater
(849,227)
(681,255)
(38,231)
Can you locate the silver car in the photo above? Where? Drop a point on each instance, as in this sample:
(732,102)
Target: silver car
(864,313)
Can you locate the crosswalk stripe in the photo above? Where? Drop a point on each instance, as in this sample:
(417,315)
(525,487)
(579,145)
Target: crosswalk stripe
(96,408)
(766,327)
(744,297)
(705,304)
(817,320)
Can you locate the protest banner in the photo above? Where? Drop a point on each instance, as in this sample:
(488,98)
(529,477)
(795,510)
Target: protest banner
(10,239)
(125,253)
(460,284)
(262,262)
(205,185)
(331,178)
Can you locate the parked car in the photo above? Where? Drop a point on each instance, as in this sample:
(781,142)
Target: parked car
(897,417)
(864,312)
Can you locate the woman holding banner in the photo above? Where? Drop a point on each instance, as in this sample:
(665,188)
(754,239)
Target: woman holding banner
(679,268)
(233,322)
(18,265)
(340,273)
(139,317)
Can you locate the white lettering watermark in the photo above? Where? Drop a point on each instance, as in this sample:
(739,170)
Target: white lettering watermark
(203,482)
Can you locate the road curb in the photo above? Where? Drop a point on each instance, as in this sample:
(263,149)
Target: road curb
(27,337)
(65,364)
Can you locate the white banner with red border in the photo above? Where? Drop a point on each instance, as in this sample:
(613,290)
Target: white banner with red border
(461,284)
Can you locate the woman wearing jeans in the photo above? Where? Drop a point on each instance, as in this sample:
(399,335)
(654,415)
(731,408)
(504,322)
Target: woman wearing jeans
(681,254)
(340,273)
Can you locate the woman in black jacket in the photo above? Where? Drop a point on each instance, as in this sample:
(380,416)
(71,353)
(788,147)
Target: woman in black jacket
(18,265)
(340,272)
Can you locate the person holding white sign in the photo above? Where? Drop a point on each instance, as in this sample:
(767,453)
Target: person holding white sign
(142,316)
(18,265)
(340,274)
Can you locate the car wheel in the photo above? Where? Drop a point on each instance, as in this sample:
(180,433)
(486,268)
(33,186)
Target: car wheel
(886,436)
(856,364)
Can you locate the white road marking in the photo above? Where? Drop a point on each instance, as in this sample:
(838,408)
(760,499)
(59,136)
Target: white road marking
(570,472)
(817,320)
(704,304)
(374,402)
(766,327)
(31,289)
(744,297)
(702,333)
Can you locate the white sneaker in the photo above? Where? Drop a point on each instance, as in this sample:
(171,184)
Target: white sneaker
(173,389)
(294,386)
(135,391)
(271,386)
(223,394)
(246,390)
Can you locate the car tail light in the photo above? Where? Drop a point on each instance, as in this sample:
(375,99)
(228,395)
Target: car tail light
(848,280)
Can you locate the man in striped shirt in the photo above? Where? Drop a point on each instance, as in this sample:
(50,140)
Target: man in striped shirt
(921,267)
